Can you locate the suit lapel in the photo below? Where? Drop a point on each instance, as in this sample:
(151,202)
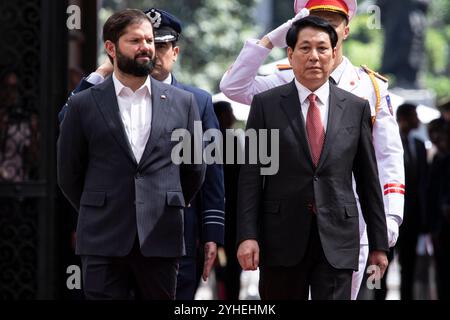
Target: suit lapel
(175,82)
(160,112)
(336,109)
(291,106)
(105,97)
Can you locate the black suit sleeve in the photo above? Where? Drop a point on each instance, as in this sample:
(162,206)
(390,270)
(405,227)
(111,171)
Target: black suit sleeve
(192,175)
(368,186)
(213,193)
(72,155)
(83,85)
(250,182)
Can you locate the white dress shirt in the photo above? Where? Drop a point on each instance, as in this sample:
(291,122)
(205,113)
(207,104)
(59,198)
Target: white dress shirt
(136,113)
(322,100)
(168,80)
(339,71)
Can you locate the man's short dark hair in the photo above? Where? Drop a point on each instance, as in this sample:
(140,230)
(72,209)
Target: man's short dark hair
(116,24)
(313,22)
(406,111)
(444,107)
(437,126)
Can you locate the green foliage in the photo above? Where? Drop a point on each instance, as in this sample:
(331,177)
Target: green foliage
(438,49)
(211,43)
(440,84)
(215,31)
(364,46)
(440,12)
(437,59)
(213,34)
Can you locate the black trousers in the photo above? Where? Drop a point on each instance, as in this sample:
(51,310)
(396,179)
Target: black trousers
(187,278)
(131,277)
(313,271)
(442,258)
(407,258)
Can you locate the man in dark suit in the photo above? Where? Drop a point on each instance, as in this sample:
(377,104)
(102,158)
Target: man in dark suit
(415,220)
(207,211)
(115,167)
(302,222)
(204,219)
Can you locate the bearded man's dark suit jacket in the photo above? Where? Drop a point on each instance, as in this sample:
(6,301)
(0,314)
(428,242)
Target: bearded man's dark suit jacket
(277,210)
(116,197)
(204,219)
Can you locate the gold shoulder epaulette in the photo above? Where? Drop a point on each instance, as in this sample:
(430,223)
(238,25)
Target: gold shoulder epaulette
(376,74)
(282,67)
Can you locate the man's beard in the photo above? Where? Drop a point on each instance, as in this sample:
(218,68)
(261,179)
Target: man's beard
(133,66)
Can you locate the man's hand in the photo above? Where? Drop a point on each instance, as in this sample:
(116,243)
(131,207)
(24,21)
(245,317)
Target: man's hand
(278,36)
(210,257)
(105,69)
(248,254)
(379,259)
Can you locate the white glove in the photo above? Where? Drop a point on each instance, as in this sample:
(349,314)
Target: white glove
(278,36)
(392,228)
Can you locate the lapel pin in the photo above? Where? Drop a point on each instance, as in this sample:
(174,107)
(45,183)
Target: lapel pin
(163,96)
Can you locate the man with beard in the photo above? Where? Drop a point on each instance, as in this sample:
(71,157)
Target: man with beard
(204,219)
(115,168)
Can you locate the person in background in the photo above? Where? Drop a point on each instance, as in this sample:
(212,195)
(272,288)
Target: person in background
(445,110)
(415,214)
(438,203)
(232,270)
(19,131)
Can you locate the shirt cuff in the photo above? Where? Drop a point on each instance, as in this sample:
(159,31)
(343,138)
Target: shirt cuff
(95,78)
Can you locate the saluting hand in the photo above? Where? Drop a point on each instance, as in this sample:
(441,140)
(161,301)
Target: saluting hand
(106,68)
(277,37)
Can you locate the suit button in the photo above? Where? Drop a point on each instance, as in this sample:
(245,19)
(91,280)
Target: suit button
(316,178)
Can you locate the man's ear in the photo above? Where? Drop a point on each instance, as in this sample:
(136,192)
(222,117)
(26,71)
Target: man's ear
(290,51)
(176,51)
(110,49)
(346,32)
(334,53)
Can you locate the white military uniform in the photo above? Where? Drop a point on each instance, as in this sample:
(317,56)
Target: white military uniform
(240,83)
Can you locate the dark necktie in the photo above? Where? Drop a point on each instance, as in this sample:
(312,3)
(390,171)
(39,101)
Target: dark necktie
(314,129)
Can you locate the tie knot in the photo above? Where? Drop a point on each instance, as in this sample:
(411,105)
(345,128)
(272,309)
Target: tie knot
(312,98)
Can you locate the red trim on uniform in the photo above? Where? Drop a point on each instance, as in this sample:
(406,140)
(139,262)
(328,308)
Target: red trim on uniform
(282,67)
(338,5)
(394,190)
(394,185)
